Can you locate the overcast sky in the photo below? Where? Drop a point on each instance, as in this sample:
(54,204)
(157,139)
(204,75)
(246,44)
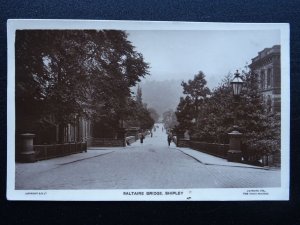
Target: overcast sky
(181,54)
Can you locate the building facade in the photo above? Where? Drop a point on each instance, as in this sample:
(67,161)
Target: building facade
(266,65)
(80,131)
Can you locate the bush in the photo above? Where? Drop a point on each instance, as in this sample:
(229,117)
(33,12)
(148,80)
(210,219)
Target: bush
(254,149)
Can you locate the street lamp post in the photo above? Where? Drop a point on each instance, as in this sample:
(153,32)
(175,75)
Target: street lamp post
(235,154)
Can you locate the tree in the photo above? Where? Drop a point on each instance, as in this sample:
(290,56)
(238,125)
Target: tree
(184,114)
(189,107)
(154,115)
(140,116)
(70,73)
(260,127)
(217,117)
(146,121)
(197,91)
(169,119)
(139,98)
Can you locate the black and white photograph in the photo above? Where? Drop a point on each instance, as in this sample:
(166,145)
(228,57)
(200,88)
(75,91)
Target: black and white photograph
(137,110)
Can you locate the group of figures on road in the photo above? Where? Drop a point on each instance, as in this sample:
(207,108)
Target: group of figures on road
(142,135)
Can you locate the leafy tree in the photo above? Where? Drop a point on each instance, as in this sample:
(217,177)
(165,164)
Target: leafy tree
(189,107)
(146,121)
(139,115)
(154,115)
(216,114)
(169,119)
(184,114)
(260,127)
(197,91)
(139,94)
(143,115)
(69,73)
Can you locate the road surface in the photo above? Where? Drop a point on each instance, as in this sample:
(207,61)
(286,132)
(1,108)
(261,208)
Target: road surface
(151,165)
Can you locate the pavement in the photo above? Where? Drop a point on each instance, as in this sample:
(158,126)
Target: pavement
(217,161)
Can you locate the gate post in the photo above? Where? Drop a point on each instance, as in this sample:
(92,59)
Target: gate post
(234,154)
(121,135)
(25,151)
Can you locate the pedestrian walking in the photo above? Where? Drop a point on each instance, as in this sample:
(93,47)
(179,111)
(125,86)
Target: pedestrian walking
(169,138)
(142,137)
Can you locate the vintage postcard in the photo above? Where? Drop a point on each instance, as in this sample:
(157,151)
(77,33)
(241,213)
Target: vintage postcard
(147,111)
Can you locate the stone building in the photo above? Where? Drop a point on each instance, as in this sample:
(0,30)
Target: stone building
(81,130)
(266,65)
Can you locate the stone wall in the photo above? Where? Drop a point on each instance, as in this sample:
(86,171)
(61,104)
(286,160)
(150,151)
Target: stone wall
(108,142)
(58,150)
(219,150)
(183,143)
(131,139)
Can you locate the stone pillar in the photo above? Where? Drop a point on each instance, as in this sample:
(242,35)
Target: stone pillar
(121,135)
(234,154)
(25,151)
(179,136)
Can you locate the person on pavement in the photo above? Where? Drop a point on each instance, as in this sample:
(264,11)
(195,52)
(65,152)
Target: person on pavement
(169,138)
(142,137)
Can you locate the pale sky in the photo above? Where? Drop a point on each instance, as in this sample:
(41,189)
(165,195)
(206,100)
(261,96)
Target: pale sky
(180,55)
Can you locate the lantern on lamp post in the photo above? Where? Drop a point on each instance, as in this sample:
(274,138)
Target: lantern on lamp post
(235,154)
(237,84)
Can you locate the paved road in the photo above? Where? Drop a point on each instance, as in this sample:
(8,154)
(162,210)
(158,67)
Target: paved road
(149,165)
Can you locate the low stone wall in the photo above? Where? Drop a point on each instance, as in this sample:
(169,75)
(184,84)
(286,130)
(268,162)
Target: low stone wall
(277,159)
(131,139)
(58,150)
(219,150)
(271,160)
(183,143)
(108,142)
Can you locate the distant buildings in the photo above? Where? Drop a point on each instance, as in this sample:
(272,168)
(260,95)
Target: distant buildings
(266,65)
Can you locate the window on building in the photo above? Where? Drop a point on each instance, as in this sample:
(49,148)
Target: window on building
(269,75)
(269,104)
(262,79)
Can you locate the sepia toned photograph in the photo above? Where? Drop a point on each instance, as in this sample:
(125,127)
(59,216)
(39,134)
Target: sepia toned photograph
(127,110)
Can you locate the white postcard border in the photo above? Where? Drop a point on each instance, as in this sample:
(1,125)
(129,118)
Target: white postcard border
(219,194)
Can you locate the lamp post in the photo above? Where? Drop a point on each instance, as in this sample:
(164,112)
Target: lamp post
(235,154)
